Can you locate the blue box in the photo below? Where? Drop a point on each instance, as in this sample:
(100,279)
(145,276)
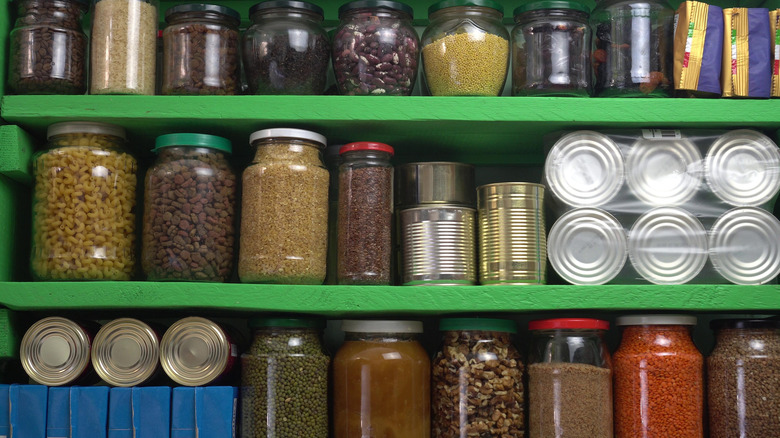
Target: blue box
(215,411)
(58,413)
(152,412)
(88,411)
(183,413)
(5,412)
(28,410)
(120,413)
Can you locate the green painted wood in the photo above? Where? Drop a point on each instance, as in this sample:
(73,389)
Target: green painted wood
(9,335)
(16,148)
(10,241)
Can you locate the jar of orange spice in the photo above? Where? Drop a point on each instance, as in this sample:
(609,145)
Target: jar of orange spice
(658,378)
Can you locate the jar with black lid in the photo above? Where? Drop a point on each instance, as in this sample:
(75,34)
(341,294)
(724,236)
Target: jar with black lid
(286,49)
(200,50)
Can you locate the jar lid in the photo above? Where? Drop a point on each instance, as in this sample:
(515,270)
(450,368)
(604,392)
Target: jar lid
(192,140)
(372,4)
(274,4)
(656,320)
(719,324)
(374,326)
(86,128)
(297,134)
(203,7)
(487,324)
(552,4)
(366,146)
(452,3)
(286,323)
(569,323)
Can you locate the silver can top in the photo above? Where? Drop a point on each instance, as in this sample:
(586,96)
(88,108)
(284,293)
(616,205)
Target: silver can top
(126,352)
(55,351)
(435,182)
(745,245)
(664,172)
(195,351)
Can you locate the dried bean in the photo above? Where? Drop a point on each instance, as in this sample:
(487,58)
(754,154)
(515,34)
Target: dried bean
(279,67)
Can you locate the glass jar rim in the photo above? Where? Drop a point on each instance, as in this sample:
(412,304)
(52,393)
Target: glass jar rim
(85,128)
(753,323)
(289,133)
(366,146)
(192,140)
(655,320)
(374,4)
(444,4)
(478,324)
(286,4)
(569,323)
(203,7)
(381,326)
(551,4)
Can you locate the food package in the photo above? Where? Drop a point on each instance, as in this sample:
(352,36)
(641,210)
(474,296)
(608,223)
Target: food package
(746,52)
(698,49)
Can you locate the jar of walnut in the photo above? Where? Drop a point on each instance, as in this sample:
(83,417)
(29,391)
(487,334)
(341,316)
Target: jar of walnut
(478,380)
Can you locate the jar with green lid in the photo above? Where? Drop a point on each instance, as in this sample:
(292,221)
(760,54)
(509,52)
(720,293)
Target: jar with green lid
(284,380)
(83,209)
(189,205)
(477,380)
(465,48)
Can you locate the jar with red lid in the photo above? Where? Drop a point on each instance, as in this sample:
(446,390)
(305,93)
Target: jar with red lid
(569,379)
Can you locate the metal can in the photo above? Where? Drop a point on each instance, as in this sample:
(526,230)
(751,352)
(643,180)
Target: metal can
(435,182)
(196,351)
(742,168)
(587,246)
(126,352)
(664,172)
(55,351)
(584,169)
(438,245)
(667,245)
(744,245)
(512,240)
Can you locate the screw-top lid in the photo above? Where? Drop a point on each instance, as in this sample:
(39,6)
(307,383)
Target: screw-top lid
(275,4)
(86,128)
(203,7)
(192,140)
(569,323)
(366,146)
(296,134)
(286,323)
(373,4)
(719,324)
(372,326)
(552,4)
(487,324)
(656,320)
(452,3)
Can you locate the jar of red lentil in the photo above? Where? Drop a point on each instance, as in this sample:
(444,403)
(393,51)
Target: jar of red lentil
(659,378)
(569,379)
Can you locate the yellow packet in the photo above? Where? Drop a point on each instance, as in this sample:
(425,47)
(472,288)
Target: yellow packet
(746,61)
(774,22)
(698,48)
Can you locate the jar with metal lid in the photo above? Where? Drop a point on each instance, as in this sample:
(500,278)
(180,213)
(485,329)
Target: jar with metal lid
(286,49)
(124,43)
(375,48)
(284,380)
(465,48)
(191,187)
(284,214)
(55,351)
(83,210)
(477,380)
(48,48)
(632,48)
(569,379)
(381,381)
(200,50)
(365,215)
(126,352)
(196,351)
(659,378)
(551,49)
(743,373)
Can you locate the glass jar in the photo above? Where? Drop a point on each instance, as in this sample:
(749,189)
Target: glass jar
(83,209)
(465,48)
(286,49)
(365,215)
(200,50)
(659,378)
(284,380)
(742,379)
(189,205)
(284,215)
(124,42)
(569,379)
(477,380)
(48,48)
(633,48)
(381,381)
(375,48)
(551,49)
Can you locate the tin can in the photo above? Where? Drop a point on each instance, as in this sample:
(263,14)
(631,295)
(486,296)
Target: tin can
(512,240)
(126,352)
(742,168)
(55,351)
(664,172)
(667,245)
(435,182)
(584,169)
(744,245)
(438,245)
(587,246)
(196,351)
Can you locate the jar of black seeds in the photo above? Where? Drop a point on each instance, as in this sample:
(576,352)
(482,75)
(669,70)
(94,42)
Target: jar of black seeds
(284,380)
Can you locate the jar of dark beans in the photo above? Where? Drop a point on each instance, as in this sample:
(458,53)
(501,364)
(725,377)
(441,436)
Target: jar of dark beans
(365,214)
(48,48)
(189,222)
(286,49)
(200,50)
(551,49)
(375,48)
(633,48)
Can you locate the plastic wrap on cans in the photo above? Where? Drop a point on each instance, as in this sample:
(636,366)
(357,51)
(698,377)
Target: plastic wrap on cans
(512,241)
(747,66)
(663,172)
(744,246)
(56,351)
(125,352)
(196,351)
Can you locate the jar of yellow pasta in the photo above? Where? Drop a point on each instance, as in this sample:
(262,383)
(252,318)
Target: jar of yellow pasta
(83,209)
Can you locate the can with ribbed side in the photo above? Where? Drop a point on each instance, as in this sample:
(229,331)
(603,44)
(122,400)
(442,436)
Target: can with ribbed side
(125,352)
(196,352)
(587,246)
(55,351)
(668,245)
(664,172)
(512,240)
(744,246)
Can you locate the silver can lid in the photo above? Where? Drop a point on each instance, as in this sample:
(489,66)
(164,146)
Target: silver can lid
(668,245)
(664,172)
(743,168)
(584,168)
(587,246)
(435,182)
(655,320)
(126,352)
(55,351)
(745,245)
(195,351)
